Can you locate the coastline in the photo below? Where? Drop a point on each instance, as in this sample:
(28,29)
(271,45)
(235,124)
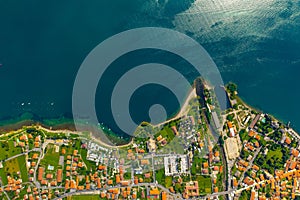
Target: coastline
(69,127)
(183,110)
(241,100)
(291,128)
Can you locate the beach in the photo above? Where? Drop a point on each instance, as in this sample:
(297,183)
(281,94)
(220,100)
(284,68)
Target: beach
(183,110)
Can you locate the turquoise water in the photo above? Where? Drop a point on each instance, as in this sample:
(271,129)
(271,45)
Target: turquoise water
(43,43)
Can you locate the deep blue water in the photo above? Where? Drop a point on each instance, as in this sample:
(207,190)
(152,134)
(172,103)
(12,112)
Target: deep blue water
(43,43)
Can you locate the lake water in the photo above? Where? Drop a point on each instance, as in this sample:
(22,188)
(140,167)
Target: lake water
(255,44)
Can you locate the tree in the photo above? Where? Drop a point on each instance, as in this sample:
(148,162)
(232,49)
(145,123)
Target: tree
(221,141)
(232,87)
(236,106)
(230,117)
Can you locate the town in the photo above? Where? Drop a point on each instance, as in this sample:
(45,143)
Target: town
(207,153)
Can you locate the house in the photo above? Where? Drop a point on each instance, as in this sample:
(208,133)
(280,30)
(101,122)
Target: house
(205,171)
(40,173)
(255,167)
(253,123)
(253,194)
(216,168)
(125,183)
(205,165)
(118,179)
(191,190)
(295,152)
(145,162)
(59,175)
(35,156)
(73,184)
(148,175)
(288,140)
(110,182)
(217,154)
(231,129)
(159,138)
(154,193)
(216,189)
(175,131)
(49,176)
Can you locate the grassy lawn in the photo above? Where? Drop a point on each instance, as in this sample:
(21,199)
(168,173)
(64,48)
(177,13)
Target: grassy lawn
(23,168)
(85,197)
(197,165)
(168,181)
(167,133)
(51,157)
(89,164)
(277,154)
(3,176)
(160,176)
(14,166)
(204,184)
(8,150)
(174,146)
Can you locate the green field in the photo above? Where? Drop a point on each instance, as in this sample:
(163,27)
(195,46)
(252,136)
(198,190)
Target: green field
(197,165)
(23,168)
(3,176)
(8,150)
(14,166)
(51,157)
(167,133)
(204,184)
(160,176)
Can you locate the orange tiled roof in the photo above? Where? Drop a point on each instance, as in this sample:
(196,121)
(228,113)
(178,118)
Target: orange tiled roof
(59,175)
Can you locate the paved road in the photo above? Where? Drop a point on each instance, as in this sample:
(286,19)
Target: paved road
(21,154)
(98,191)
(250,165)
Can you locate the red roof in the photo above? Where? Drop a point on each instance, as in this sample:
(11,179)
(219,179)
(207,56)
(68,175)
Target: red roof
(59,175)
(41,172)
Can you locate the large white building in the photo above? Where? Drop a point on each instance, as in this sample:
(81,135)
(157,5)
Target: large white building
(176,164)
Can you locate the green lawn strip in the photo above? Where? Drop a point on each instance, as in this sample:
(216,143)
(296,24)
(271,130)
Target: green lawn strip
(23,168)
(160,176)
(204,184)
(3,176)
(89,164)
